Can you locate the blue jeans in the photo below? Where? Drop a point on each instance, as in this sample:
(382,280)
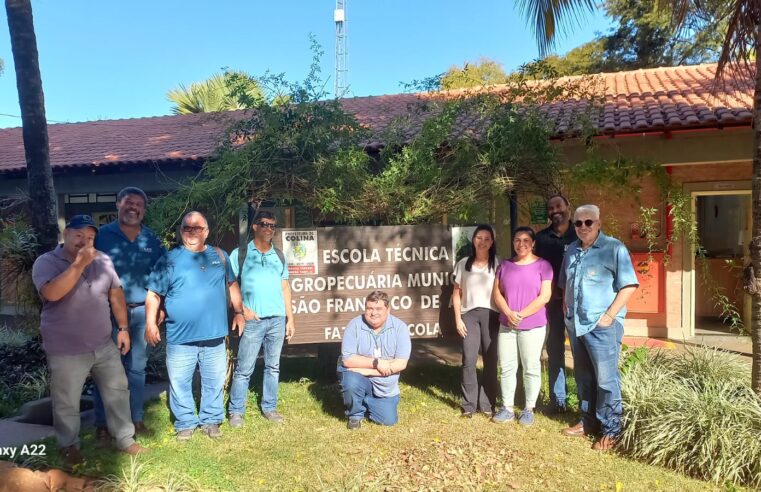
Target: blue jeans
(556,351)
(269,332)
(134,365)
(357,391)
(181,363)
(595,360)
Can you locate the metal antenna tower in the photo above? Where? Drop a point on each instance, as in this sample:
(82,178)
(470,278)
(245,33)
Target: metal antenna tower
(342,50)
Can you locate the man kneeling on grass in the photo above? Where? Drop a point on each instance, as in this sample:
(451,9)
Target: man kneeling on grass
(375,349)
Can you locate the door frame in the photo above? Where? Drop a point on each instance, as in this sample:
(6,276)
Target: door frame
(708,188)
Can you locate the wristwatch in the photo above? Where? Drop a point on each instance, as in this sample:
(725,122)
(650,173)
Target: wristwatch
(375,363)
(123,328)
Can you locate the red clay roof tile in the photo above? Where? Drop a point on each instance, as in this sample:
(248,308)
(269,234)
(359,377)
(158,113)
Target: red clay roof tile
(637,101)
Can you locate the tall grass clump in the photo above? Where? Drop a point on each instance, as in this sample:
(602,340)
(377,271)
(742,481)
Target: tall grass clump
(694,412)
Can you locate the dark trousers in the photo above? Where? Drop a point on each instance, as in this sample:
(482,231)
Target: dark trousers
(483,330)
(556,351)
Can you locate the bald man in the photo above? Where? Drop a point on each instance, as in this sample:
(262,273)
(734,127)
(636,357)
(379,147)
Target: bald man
(192,279)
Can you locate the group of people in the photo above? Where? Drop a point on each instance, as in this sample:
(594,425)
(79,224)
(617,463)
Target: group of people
(569,278)
(107,290)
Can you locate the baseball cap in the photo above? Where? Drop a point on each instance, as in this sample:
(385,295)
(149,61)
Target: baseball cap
(81,221)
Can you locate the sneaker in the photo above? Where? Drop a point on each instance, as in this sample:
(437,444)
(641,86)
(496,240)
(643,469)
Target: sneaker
(134,449)
(504,415)
(185,434)
(354,424)
(141,429)
(102,437)
(235,420)
(212,430)
(527,417)
(274,417)
(71,457)
(488,413)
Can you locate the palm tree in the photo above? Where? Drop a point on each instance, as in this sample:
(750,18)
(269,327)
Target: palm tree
(34,124)
(742,43)
(221,92)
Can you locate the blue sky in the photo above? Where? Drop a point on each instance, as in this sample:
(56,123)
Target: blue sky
(117,59)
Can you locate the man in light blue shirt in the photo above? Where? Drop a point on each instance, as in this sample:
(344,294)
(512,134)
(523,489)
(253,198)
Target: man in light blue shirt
(269,318)
(374,351)
(598,279)
(193,280)
(133,249)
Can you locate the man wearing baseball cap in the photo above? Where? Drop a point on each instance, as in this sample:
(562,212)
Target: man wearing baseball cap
(80,291)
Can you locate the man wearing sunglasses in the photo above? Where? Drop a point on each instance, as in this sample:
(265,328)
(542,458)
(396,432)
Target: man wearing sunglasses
(598,279)
(194,279)
(263,278)
(551,244)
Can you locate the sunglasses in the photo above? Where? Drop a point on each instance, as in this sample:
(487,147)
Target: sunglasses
(267,225)
(588,222)
(193,230)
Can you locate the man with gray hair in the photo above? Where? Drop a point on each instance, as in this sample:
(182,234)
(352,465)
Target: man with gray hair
(375,349)
(598,279)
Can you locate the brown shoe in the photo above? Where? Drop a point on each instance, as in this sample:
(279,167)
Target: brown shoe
(134,449)
(605,443)
(575,431)
(141,429)
(102,437)
(71,457)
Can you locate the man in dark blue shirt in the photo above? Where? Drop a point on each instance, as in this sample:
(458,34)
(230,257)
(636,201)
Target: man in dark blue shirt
(133,249)
(551,244)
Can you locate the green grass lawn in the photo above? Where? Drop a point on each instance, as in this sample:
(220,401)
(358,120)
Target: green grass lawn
(431,448)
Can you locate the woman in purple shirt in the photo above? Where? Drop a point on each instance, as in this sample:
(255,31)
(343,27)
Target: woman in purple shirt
(522,287)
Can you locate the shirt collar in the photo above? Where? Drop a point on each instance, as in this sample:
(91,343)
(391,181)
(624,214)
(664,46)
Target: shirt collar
(372,330)
(565,234)
(601,238)
(253,249)
(60,254)
(115,229)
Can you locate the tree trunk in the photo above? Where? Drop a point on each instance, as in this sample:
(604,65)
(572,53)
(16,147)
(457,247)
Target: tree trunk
(35,129)
(755,247)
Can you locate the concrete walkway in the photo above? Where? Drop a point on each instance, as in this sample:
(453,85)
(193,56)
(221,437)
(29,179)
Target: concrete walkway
(22,429)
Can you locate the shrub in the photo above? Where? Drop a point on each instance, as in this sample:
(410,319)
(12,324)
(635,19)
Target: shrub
(694,412)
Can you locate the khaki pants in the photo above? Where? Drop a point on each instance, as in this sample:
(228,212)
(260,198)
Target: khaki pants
(67,377)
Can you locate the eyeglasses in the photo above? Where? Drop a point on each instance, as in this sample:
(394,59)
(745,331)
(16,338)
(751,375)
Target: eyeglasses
(267,225)
(193,229)
(588,222)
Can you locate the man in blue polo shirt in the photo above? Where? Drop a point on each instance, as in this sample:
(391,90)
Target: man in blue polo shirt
(193,278)
(598,279)
(269,318)
(133,249)
(374,351)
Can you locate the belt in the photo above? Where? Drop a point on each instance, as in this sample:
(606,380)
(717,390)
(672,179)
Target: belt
(135,304)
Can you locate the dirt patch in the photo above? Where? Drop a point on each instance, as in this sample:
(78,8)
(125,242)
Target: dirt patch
(14,478)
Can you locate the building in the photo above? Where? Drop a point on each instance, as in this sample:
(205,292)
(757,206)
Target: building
(668,115)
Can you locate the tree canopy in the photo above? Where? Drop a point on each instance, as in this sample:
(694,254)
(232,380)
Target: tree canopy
(221,92)
(312,153)
(483,72)
(645,36)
